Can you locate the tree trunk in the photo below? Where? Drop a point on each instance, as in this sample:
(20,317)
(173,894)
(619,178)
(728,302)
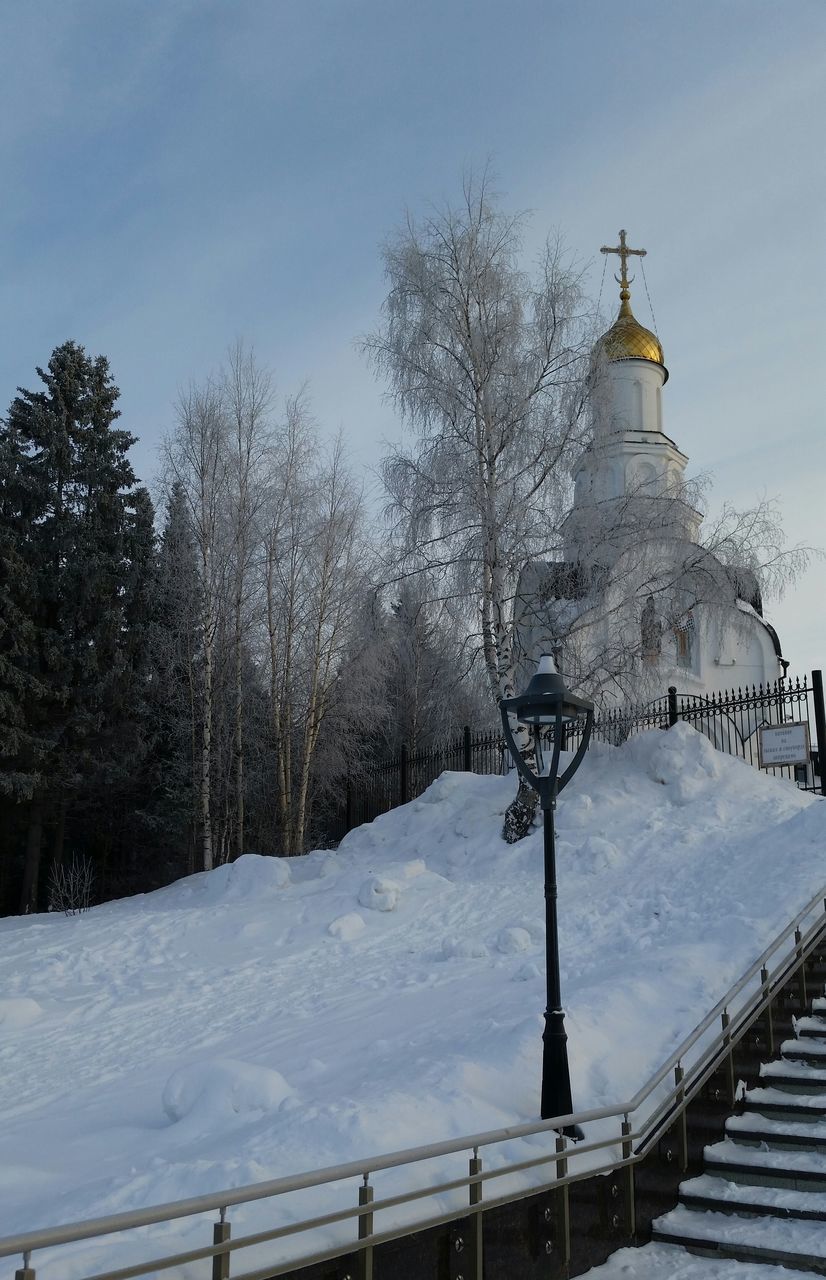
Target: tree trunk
(239,733)
(206,755)
(59,833)
(28,896)
(519,814)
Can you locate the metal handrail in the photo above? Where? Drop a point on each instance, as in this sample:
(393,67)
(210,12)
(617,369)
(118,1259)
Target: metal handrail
(645,1131)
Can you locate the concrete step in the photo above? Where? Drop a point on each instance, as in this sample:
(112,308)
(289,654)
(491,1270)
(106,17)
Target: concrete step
(795,1243)
(810,1028)
(777,1133)
(720,1195)
(669,1262)
(798,1170)
(793,1077)
(811,1051)
(782,1104)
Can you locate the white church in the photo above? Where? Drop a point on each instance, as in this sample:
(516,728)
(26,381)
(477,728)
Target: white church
(639,602)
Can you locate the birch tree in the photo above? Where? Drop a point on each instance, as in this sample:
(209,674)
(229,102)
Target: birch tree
(314,572)
(196,455)
(486,363)
(247,392)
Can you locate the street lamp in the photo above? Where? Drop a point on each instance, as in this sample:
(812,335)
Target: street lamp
(547,708)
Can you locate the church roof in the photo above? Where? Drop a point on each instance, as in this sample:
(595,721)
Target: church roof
(627,339)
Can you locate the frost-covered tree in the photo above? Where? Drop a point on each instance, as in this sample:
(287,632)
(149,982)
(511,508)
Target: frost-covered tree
(315,569)
(486,361)
(197,460)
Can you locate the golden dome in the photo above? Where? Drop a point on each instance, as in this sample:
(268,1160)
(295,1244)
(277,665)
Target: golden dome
(627,339)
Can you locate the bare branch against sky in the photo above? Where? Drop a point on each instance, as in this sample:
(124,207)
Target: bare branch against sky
(181,173)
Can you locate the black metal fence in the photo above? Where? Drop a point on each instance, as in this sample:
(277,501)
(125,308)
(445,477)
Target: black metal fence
(731,720)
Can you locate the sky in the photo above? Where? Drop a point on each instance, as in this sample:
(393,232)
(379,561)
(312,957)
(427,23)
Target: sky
(178,174)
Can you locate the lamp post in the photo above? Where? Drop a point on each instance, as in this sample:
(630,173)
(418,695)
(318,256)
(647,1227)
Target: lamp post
(547,707)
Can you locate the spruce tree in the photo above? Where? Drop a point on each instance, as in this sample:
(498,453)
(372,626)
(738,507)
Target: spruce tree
(81,536)
(168,810)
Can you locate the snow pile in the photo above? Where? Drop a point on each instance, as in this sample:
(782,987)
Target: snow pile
(281,1015)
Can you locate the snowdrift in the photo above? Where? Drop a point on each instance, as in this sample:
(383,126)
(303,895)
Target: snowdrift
(277,1015)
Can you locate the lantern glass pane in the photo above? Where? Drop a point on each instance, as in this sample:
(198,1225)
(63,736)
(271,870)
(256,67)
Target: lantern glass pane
(539,743)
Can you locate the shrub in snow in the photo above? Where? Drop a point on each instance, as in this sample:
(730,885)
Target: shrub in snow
(464,948)
(221,1086)
(380,894)
(597,853)
(18,1011)
(347,927)
(70,886)
(254,872)
(513,940)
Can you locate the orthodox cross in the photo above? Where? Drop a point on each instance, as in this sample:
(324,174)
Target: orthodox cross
(624,253)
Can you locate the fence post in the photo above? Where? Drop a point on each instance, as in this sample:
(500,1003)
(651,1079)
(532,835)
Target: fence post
(672,705)
(404,776)
(820,726)
(468,762)
(365,1255)
(348,806)
(221,1233)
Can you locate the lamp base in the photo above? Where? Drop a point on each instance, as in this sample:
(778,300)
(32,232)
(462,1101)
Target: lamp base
(556,1080)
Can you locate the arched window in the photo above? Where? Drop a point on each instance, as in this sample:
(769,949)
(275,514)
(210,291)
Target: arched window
(684,639)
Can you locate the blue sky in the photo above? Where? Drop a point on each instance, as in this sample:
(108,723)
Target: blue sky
(179,173)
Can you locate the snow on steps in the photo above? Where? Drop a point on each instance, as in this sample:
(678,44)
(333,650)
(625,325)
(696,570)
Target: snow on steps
(762,1198)
(668,1262)
(758,1239)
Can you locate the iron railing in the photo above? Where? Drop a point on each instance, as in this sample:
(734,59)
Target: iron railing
(617,1139)
(730,719)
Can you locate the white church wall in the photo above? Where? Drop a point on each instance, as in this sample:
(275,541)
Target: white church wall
(632,392)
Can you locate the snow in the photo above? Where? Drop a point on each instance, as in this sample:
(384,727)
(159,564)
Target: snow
(804,1239)
(279,1015)
(667,1262)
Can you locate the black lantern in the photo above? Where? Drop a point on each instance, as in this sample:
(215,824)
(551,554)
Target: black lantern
(548,709)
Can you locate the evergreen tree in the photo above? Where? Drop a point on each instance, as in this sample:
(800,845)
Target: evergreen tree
(168,808)
(78,528)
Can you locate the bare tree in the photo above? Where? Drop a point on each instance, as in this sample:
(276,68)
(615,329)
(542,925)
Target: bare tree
(487,363)
(247,394)
(196,455)
(314,572)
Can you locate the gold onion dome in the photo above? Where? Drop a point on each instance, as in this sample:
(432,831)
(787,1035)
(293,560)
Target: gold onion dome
(627,339)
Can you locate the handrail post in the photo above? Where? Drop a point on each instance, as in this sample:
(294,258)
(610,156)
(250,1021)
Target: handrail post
(682,1122)
(564,1216)
(221,1232)
(26,1272)
(365,1257)
(627,1153)
(731,1083)
(801,981)
(475,1197)
(764,982)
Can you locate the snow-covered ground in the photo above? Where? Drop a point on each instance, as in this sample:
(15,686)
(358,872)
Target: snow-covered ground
(274,1016)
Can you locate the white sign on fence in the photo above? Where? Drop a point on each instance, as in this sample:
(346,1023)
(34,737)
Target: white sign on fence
(784,743)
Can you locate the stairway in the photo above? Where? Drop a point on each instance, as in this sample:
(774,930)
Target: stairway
(762,1195)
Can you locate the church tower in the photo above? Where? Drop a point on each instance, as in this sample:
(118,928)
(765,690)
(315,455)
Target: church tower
(630,463)
(637,603)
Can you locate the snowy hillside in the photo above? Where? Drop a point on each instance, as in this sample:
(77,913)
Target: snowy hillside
(275,1015)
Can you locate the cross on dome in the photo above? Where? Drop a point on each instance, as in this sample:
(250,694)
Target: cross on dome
(627,339)
(623,253)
